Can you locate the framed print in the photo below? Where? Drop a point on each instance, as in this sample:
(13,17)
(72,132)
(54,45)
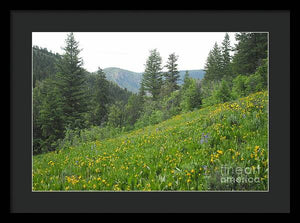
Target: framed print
(150,111)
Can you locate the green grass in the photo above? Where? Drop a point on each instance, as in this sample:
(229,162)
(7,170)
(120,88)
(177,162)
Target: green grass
(185,153)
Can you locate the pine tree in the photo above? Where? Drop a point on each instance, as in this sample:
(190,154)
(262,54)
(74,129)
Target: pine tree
(223,92)
(100,99)
(116,116)
(51,115)
(190,93)
(213,66)
(251,50)
(186,75)
(186,81)
(72,84)
(226,58)
(152,77)
(141,94)
(43,64)
(172,75)
(37,99)
(133,109)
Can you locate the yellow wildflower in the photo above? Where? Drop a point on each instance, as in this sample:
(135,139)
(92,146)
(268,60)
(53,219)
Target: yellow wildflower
(220,151)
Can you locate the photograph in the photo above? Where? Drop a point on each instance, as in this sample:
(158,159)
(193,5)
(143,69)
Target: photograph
(150,111)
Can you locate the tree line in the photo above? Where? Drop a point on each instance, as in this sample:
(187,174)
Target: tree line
(72,100)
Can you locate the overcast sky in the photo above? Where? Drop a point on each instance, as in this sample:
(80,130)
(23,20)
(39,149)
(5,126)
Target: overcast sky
(130,50)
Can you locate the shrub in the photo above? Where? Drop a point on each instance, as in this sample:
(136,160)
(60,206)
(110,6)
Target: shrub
(171,105)
(239,86)
(254,83)
(191,96)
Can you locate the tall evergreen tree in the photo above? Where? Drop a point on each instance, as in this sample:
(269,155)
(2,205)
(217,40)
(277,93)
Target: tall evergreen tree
(141,93)
(186,80)
(186,75)
(213,66)
(251,50)
(51,119)
(152,77)
(172,75)
(37,99)
(133,109)
(226,58)
(100,99)
(116,116)
(72,84)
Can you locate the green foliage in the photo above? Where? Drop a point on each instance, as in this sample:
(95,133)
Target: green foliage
(99,102)
(218,67)
(254,83)
(37,98)
(226,57)
(43,64)
(239,86)
(171,105)
(133,109)
(49,116)
(223,93)
(116,115)
(220,94)
(244,85)
(152,77)
(71,82)
(76,137)
(262,71)
(191,95)
(99,94)
(222,73)
(172,75)
(213,66)
(151,113)
(251,50)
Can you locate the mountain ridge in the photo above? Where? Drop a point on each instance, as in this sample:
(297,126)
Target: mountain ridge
(131,80)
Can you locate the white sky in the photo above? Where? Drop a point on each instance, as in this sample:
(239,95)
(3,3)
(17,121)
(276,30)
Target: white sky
(130,50)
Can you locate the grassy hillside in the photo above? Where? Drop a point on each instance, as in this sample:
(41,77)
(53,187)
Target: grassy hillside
(198,150)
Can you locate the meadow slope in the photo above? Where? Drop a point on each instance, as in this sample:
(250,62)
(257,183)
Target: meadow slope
(186,152)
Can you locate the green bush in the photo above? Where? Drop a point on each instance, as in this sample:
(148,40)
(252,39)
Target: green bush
(223,93)
(254,83)
(171,105)
(220,94)
(239,86)
(245,85)
(76,137)
(116,115)
(191,96)
(155,117)
(262,71)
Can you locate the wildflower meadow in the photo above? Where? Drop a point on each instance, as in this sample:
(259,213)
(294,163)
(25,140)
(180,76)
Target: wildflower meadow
(223,147)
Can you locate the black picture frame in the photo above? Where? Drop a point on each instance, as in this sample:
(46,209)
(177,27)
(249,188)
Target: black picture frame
(23,23)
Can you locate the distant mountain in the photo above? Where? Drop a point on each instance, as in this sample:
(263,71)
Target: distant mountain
(131,80)
(44,66)
(124,78)
(196,74)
